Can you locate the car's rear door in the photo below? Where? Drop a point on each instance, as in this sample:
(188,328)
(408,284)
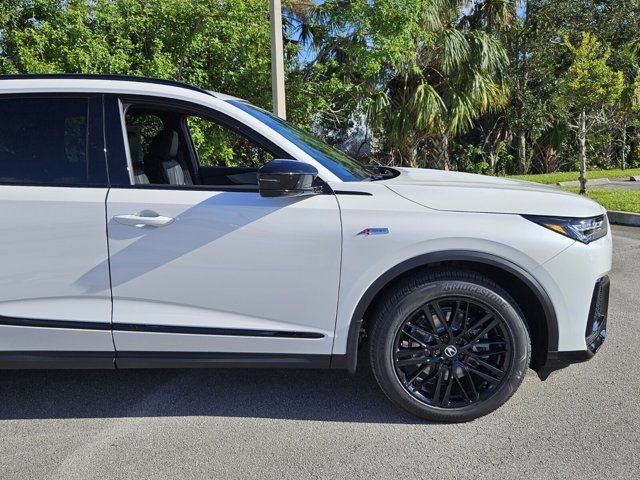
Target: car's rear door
(55,299)
(217,274)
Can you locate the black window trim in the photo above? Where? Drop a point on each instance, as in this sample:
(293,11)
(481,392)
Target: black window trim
(189,108)
(95,109)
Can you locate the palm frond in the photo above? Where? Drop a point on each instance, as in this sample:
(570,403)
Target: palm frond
(455,50)
(427,105)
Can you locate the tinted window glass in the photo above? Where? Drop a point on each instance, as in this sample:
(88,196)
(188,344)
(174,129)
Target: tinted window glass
(340,164)
(218,146)
(43,140)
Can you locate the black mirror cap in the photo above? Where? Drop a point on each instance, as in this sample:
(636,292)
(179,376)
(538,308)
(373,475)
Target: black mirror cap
(287,178)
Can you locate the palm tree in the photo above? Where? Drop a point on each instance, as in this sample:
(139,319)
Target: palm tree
(432,82)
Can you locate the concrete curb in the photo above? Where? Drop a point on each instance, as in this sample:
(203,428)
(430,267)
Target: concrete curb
(624,218)
(576,183)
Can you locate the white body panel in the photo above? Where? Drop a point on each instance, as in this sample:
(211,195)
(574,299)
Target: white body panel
(415,230)
(235,260)
(569,279)
(230,260)
(53,253)
(466,192)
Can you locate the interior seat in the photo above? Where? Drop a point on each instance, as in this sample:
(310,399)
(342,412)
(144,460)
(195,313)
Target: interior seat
(137,156)
(161,164)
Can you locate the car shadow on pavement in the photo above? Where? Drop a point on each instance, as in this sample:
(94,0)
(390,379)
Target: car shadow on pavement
(258,393)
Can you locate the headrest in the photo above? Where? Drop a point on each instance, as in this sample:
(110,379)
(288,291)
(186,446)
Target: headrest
(164,145)
(135,145)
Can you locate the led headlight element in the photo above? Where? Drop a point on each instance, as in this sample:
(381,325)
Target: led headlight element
(584,230)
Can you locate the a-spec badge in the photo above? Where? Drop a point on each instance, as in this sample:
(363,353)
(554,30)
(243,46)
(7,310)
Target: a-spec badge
(374,231)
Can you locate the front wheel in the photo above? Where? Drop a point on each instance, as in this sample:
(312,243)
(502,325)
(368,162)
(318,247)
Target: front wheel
(449,346)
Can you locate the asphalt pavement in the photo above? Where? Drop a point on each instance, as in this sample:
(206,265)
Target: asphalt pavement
(624,184)
(584,422)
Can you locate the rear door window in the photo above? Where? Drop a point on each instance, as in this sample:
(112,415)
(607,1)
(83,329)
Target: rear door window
(44,141)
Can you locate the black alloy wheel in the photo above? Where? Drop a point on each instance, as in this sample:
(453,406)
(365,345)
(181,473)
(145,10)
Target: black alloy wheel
(448,345)
(452,352)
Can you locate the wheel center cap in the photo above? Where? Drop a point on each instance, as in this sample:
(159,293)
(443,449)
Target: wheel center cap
(450,351)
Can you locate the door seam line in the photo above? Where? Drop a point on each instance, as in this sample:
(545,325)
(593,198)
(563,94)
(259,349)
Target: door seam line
(106,219)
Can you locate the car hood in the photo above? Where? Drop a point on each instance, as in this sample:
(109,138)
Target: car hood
(467,192)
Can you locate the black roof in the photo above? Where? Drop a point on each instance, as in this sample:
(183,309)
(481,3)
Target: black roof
(91,76)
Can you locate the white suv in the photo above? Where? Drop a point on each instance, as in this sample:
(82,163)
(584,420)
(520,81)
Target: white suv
(147,223)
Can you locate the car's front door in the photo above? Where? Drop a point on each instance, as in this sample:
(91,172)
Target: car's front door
(215,274)
(55,301)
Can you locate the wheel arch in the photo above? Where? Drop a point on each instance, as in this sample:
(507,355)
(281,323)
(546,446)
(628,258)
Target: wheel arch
(530,295)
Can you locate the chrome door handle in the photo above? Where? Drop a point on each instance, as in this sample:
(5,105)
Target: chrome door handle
(146,218)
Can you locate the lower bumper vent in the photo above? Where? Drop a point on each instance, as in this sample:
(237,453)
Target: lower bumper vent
(597,322)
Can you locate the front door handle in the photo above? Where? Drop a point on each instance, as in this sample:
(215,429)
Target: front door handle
(146,218)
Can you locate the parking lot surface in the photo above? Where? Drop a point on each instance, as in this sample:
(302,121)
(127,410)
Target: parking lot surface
(619,183)
(584,422)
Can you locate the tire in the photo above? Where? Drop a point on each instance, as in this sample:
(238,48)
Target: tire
(411,350)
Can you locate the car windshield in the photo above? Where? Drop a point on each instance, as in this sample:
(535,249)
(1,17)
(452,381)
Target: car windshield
(340,164)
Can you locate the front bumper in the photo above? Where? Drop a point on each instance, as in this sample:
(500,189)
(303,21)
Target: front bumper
(595,333)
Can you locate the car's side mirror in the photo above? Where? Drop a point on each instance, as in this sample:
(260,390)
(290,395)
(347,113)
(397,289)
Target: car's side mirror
(287,178)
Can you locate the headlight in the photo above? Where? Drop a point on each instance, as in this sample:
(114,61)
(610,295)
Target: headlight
(584,230)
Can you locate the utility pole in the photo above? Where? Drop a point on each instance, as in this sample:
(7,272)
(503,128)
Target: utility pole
(277,60)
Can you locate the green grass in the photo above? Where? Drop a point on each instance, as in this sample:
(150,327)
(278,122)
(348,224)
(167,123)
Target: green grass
(613,198)
(609,198)
(569,176)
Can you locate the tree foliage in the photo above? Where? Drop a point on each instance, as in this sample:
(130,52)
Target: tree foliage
(589,84)
(216,44)
(542,106)
(588,89)
(421,70)
(480,85)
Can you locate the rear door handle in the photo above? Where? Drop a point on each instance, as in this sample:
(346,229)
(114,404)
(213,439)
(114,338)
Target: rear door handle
(146,218)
